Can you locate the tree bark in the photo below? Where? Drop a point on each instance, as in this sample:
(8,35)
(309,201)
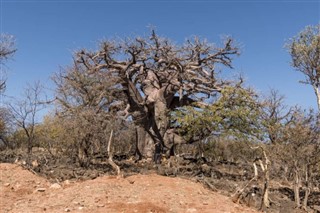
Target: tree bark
(296,187)
(308,188)
(30,145)
(110,154)
(153,123)
(316,90)
(265,198)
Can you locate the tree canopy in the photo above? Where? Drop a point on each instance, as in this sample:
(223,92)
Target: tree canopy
(305,52)
(149,77)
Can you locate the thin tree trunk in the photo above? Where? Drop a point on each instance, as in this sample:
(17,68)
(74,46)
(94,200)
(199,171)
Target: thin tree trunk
(138,150)
(306,197)
(308,188)
(296,187)
(265,203)
(316,90)
(30,146)
(110,154)
(83,154)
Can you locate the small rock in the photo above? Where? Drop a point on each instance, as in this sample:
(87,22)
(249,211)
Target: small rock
(41,189)
(6,184)
(131,181)
(100,205)
(67,210)
(80,207)
(205,203)
(35,163)
(55,186)
(67,182)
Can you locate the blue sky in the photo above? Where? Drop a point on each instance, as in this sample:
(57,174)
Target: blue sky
(47,32)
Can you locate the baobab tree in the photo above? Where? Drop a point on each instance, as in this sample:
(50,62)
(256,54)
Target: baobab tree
(154,76)
(305,52)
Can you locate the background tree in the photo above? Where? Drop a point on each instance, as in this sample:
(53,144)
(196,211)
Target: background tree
(7,49)
(87,105)
(155,77)
(305,52)
(23,112)
(296,153)
(5,127)
(53,135)
(235,114)
(301,139)
(275,115)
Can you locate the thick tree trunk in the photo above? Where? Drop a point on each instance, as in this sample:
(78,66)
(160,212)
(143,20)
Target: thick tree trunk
(152,127)
(145,143)
(149,140)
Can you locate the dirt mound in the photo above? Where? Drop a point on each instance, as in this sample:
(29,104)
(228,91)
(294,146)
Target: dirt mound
(23,191)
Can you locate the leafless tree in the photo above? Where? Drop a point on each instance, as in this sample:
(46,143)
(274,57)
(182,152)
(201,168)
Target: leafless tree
(299,150)
(305,52)
(24,112)
(153,76)
(86,101)
(275,116)
(7,49)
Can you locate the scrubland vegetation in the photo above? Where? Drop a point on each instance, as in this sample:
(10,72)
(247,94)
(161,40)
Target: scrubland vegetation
(148,103)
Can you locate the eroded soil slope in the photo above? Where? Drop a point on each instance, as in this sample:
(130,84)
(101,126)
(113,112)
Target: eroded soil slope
(23,191)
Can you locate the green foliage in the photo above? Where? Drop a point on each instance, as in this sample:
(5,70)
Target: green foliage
(18,139)
(52,134)
(228,150)
(305,52)
(234,114)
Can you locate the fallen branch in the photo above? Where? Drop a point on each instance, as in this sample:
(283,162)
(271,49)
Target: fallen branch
(239,193)
(212,187)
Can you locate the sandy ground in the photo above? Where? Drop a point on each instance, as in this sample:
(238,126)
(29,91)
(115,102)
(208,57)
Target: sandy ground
(23,191)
